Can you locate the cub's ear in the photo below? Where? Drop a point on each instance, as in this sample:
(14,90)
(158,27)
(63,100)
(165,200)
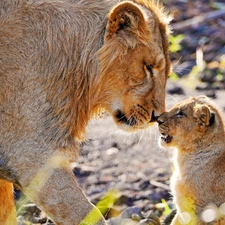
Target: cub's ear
(126,19)
(203,115)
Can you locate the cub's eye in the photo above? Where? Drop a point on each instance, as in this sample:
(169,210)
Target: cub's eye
(180,114)
(150,69)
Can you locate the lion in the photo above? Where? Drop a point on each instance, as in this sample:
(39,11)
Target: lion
(195,129)
(62,62)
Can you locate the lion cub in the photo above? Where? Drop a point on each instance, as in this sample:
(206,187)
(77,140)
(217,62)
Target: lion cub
(195,128)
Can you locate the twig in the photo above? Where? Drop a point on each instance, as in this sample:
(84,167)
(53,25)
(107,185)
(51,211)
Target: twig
(160,185)
(198,19)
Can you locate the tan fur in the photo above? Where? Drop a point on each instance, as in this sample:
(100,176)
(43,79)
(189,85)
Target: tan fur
(196,129)
(8,212)
(61,63)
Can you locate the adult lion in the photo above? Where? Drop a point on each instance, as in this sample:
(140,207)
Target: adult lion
(61,62)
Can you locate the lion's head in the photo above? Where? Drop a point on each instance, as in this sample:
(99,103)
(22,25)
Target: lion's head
(190,123)
(134,64)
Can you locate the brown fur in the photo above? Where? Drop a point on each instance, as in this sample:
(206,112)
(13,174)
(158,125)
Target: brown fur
(195,127)
(61,63)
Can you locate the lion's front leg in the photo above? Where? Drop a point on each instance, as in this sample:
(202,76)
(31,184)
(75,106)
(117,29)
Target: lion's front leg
(56,191)
(7,207)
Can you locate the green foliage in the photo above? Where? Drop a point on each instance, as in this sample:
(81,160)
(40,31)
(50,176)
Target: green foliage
(20,204)
(175,41)
(217,5)
(163,207)
(173,76)
(167,209)
(27,223)
(108,201)
(222,61)
(103,206)
(219,77)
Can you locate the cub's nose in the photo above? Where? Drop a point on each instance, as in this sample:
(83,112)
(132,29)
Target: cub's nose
(159,121)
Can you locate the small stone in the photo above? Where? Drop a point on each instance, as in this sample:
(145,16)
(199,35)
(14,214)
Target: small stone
(112,151)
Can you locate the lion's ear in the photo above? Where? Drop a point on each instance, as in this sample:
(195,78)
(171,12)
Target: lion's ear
(127,19)
(203,115)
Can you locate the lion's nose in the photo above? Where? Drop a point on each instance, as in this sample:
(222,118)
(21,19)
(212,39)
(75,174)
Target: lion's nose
(154,117)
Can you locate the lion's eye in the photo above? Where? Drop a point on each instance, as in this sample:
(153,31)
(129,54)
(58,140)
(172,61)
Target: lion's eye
(150,69)
(180,114)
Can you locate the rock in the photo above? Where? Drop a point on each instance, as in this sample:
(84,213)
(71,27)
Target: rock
(112,151)
(176,90)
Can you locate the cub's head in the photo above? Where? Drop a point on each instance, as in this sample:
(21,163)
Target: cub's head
(190,122)
(134,64)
